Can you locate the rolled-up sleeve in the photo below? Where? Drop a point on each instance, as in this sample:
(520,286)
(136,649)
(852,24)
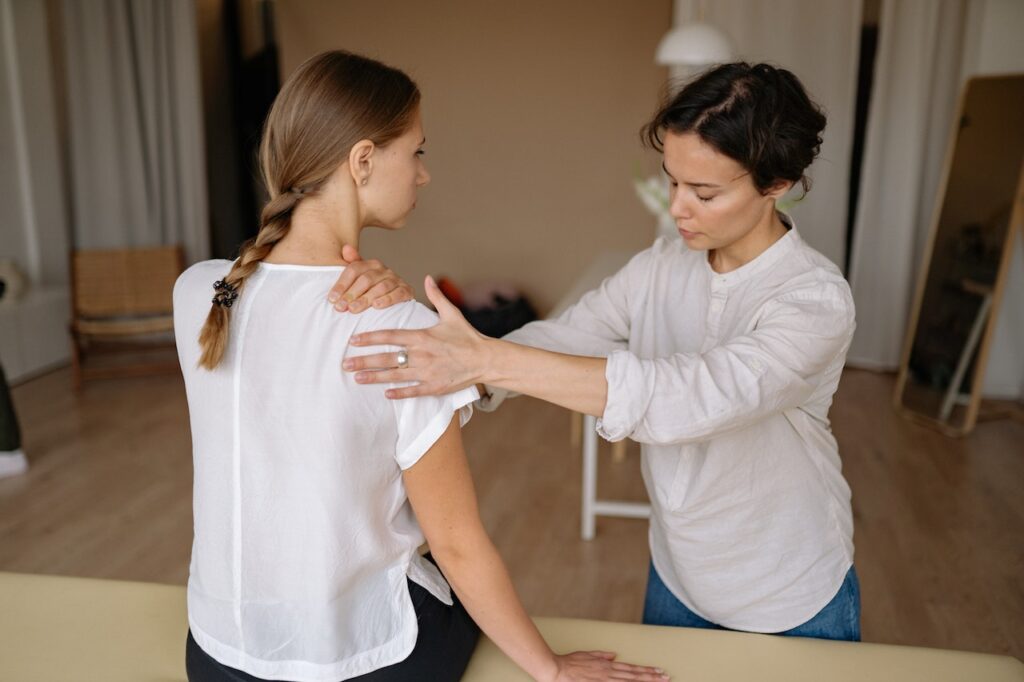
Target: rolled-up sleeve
(688,397)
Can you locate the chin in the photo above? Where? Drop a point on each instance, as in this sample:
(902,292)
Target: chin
(397,224)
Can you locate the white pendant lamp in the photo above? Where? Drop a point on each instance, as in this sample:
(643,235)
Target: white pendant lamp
(694,44)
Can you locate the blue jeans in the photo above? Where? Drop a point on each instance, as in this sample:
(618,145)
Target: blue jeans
(840,619)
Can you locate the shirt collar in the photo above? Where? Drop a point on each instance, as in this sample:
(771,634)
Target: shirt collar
(769,257)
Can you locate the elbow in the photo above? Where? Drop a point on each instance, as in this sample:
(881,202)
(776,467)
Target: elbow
(455,551)
(448,553)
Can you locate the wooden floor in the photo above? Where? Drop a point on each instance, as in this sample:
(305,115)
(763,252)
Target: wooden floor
(939,522)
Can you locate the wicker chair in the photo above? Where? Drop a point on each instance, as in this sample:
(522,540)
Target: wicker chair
(121,303)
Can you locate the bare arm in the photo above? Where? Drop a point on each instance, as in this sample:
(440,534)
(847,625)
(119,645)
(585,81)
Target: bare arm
(452,355)
(679,398)
(475,570)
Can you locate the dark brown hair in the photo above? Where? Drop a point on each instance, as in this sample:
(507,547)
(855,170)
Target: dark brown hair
(758,115)
(330,103)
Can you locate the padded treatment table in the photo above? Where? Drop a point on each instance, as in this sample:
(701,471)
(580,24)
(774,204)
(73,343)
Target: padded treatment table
(59,629)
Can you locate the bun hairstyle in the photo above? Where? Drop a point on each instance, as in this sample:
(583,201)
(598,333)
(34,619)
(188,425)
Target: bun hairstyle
(758,115)
(331,102)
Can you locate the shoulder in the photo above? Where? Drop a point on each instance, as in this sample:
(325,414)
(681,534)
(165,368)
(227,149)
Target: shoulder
(817,285)
(407,315)
(201,276)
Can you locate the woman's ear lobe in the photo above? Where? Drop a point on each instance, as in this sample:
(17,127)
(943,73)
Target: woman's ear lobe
(360,161)
(779,189)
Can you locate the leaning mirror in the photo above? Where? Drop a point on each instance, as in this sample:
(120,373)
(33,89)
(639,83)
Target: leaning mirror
(966,261)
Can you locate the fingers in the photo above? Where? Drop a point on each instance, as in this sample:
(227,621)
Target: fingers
(337,293)
(439,300)
(370,362)
(356,294)
(643,677)
(384,293)
(400,295)
(387,337)
(638,672)
(601,665)
(410,392)
(350,254)
(384,376)
(355,280)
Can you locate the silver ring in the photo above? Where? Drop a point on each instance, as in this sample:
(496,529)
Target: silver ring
(403,359)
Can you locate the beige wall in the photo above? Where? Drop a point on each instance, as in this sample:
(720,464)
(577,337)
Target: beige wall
(531,112)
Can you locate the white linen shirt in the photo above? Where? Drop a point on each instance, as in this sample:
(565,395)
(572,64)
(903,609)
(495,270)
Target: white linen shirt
(304,536)
(726,381)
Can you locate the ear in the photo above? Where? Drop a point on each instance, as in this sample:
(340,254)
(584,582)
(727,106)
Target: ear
(778,189)
(360,161)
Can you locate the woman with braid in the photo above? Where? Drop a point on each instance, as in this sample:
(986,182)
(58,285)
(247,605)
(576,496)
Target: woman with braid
(312,493)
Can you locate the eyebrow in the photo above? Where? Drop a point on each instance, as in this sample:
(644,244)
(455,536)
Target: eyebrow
(690,184)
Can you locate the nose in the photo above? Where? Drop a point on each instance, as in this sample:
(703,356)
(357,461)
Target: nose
(679,207)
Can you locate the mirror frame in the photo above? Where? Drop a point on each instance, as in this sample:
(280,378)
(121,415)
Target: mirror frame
(1016,225)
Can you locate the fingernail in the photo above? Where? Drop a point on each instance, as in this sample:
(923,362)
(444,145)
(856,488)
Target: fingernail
(389,394)
(355,339)
(341,307)
(348,364)
(361,377)
(333,297)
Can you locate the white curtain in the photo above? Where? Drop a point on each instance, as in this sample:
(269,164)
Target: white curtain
(820,43)
(916,86)
(134,109)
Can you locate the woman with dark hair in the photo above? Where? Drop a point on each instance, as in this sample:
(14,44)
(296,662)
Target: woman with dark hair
(312,493)
(719,352)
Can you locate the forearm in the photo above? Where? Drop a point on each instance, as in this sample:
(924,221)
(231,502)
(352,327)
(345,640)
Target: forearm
(482,583)
(572,381)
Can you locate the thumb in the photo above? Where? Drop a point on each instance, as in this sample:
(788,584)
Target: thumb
(444,307)
(350,254)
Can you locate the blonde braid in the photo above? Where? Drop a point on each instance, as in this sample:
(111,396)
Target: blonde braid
(276,220)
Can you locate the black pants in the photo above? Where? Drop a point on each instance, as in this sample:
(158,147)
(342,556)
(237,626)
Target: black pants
(446,639)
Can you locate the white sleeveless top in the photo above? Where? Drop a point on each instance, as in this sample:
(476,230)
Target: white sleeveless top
(304,536)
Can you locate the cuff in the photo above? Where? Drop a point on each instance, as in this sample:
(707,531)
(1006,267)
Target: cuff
(623,410)
(493,399)
(461,403)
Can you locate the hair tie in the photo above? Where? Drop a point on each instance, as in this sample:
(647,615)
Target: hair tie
(225,295)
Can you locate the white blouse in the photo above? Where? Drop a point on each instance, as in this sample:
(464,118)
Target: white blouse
(726,381)
(304,536)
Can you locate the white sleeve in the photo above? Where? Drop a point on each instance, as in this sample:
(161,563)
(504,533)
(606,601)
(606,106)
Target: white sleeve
(421,421)
(596,325)
(691,397)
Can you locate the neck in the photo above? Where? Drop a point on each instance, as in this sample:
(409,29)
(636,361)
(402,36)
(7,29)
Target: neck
(769,230)
(316,235)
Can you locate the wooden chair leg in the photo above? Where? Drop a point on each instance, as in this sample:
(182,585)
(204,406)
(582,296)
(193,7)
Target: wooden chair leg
(575,430)
(76,364)
(619,451)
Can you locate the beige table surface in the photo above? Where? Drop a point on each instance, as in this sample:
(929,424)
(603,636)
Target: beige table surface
(58,629)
